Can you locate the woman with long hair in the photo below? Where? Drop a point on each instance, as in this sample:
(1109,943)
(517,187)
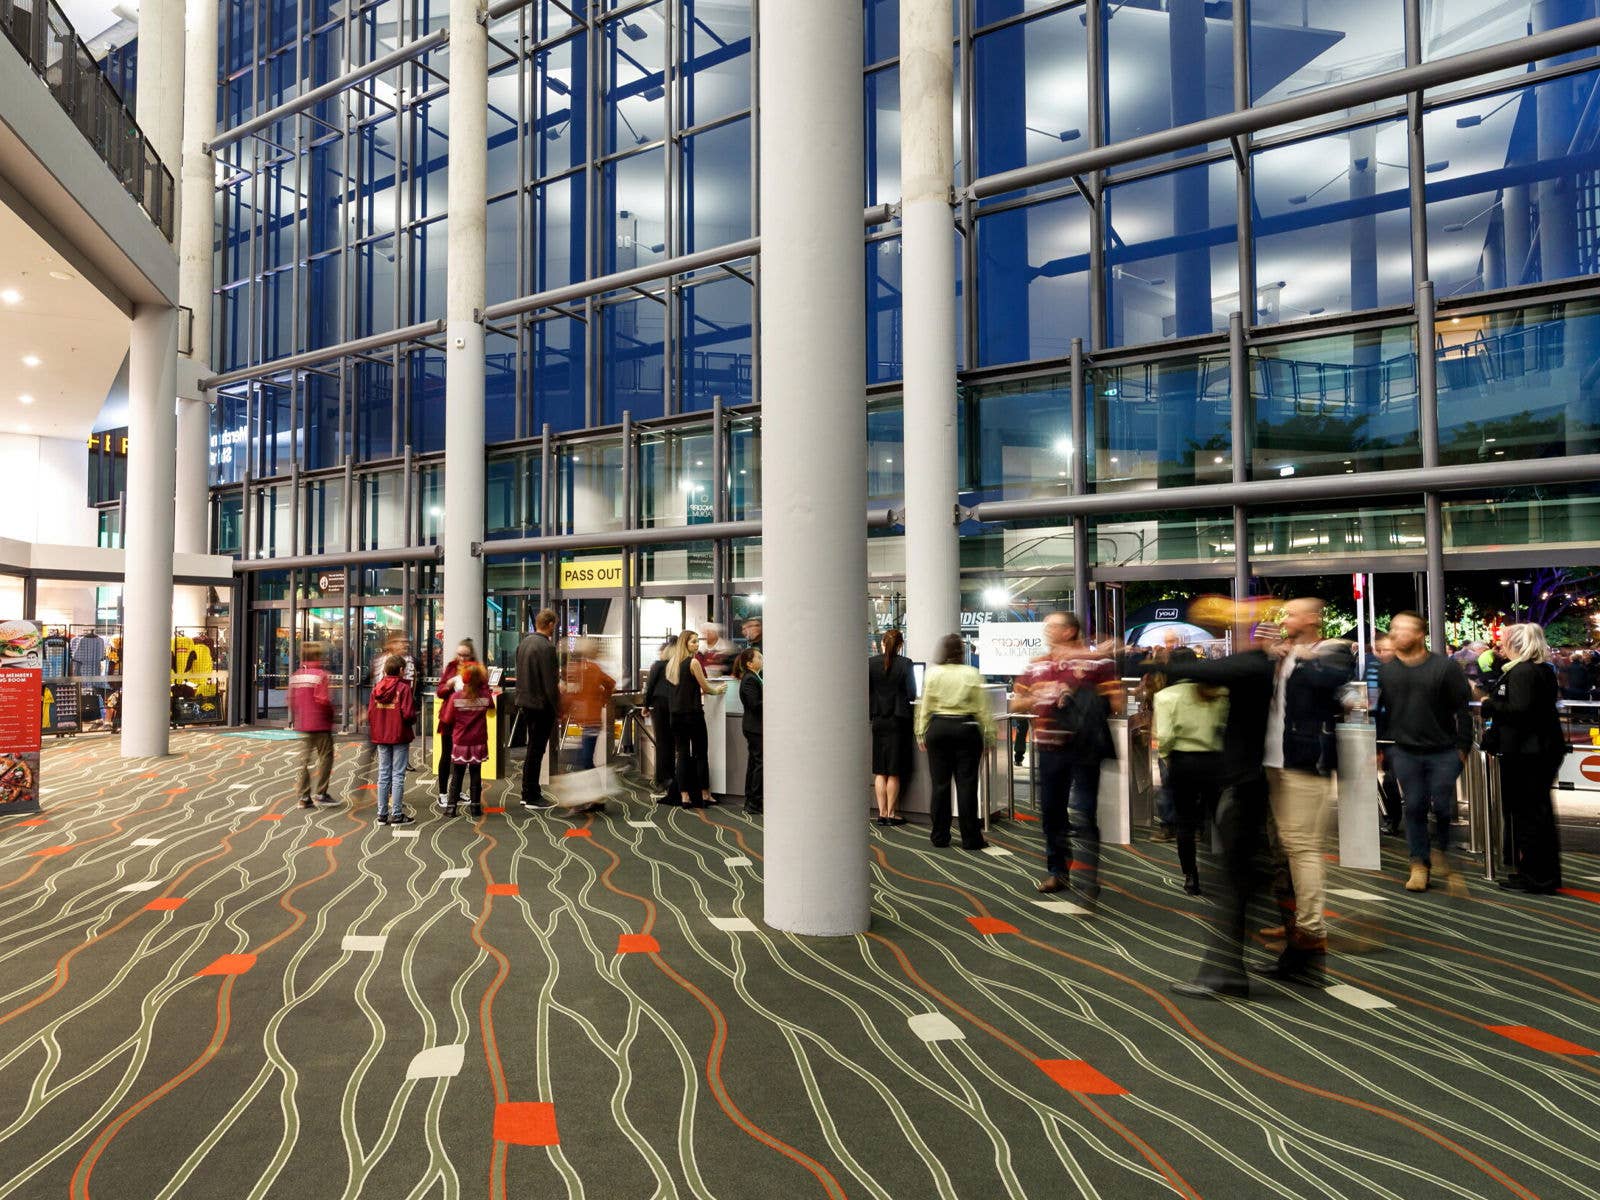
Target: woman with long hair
(449,684)
(954,723)
(1189,720)
(891,693)
(1525,731)
(686,680)
(747,670)
(469,742)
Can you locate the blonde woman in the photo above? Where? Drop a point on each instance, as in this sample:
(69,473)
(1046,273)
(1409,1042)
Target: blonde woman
(1525,731)
(686,682)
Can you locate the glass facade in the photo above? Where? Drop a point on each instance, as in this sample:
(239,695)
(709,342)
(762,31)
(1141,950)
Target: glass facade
(622,135)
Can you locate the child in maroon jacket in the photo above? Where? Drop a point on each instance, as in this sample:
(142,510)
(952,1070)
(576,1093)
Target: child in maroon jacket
(391,717)
(311,708)
(469,736)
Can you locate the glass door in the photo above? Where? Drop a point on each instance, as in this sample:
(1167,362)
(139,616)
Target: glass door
(325,625)
(378,623)
(271,660)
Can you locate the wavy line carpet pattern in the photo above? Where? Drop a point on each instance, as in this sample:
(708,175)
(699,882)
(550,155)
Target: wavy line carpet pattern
(208,992)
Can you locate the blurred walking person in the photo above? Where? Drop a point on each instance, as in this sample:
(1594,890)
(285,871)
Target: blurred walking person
(311,708)
(449,684)
(1525,731)
(954,724)
(752,694)
(891,693)
(1424,733)
(587,691)
(1189,720)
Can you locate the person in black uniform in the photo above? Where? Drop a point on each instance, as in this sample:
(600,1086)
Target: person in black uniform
(686,681)
(891,693)
(747,670)
(658,699)
(1241,813)
(1525,731)
(539,697)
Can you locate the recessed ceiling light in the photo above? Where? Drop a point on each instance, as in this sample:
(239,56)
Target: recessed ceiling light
(25,399)
(64,276)
(23,428)
(30,360)
(11,296)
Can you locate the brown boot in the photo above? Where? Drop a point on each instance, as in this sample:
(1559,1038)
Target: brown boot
(1454,882)
(1419,876)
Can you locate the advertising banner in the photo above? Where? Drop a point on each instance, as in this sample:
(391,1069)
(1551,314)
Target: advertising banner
(21,715)
(1007,647)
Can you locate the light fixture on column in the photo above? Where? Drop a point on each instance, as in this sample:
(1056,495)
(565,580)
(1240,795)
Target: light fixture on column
(1460,226)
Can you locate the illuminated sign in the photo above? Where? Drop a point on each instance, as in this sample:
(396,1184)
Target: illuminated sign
(588,573)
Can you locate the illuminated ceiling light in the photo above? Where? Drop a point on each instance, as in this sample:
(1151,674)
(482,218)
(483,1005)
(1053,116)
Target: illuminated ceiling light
(888,462)
(64,276)
(687,486)
(30,360)
(25,399)
(1286,471)
(435,511)
(1063,446)
(1217,459)
(23,428)
(11,296)
(996,597)
(699,463)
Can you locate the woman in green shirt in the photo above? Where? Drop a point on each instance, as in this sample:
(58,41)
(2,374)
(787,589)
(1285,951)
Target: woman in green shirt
(1189,722)
(954,724)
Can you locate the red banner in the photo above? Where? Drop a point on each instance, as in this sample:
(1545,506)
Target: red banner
(21,716)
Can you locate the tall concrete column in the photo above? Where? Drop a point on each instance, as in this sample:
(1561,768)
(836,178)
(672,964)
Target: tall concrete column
(196,232)
(928,276)
(466,269)
(147,592)
(814,463)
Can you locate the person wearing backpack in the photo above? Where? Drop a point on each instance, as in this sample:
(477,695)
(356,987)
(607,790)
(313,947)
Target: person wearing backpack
(391,724)
(1072,691)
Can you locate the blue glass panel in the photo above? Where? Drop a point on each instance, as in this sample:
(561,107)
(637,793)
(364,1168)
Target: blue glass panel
(1166,64)
(372,306)
(716,186)
(427,401)
(502,130)
(1333,227)
(717,318)
(634,211)
(883,136)
(633,362)
(882,29)
(884,342)
(558,233)
(429,270)
(373,401)
(1335,405)
(319,416)
(1022,439)
(502,263)
(1163,424)
(429,166)
(987,12)
(558,351)
(500,388)
(559,136)
(1033,281)
(1511,196)
(1520,383)
(636,97)
(325,186)
(1032,93)
(1172,257)
(1459,26)
(716,73)
(1296,47)
(228,437)
(886,438)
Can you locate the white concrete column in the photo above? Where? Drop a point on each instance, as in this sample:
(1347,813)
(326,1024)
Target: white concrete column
(464,297)
(196,233)
(147,592)
(813,462)
(158,100)
(928,277)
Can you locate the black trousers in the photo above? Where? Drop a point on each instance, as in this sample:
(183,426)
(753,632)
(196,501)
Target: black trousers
(444,759)
(541,724)
(666,749)
(1192,783)
(468,773)
(955,748)
(1525,782)
(693,771)
(1240,820)
(753,799)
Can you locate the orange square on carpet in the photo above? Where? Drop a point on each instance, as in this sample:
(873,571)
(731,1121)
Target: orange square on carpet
(51,851)
(492,809)
(504,889)
(1538,1039)
(174,791)
(526,1123)
(1075,1075)
(165,904)
(30,824)
(270,817)
(327,841)
(991,925)
(577,833)
(1026,817)
(637,943)
(230,964)
(1578,893)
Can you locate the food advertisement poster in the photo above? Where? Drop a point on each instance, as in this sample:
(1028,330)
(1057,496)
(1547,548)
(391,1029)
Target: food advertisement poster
(21,715)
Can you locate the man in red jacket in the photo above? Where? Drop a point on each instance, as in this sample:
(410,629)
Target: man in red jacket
(311,709)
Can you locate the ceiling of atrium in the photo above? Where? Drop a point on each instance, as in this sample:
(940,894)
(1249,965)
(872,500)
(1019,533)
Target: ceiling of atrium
(61,341)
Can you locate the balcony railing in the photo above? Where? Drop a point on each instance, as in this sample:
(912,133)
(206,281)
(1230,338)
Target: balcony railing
(44,37)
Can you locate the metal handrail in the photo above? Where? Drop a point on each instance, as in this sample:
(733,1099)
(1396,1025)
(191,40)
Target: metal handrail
(47,41)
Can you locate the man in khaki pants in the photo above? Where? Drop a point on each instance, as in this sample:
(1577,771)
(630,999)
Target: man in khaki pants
(1299,757)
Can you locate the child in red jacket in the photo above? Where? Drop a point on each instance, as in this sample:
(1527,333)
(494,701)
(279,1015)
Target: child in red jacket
(469,736)
(391,717)
(311,708)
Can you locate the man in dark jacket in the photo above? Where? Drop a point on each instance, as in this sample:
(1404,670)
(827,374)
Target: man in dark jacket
(539,698)
(1299,758)
(1241,813)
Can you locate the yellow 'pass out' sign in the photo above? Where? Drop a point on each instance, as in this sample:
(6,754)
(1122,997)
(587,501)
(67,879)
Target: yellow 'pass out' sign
(581,573)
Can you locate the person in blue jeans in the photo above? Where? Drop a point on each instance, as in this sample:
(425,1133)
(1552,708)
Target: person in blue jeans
(391,724)
(1424,733)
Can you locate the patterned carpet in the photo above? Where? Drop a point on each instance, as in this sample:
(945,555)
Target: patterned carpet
(206,992)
